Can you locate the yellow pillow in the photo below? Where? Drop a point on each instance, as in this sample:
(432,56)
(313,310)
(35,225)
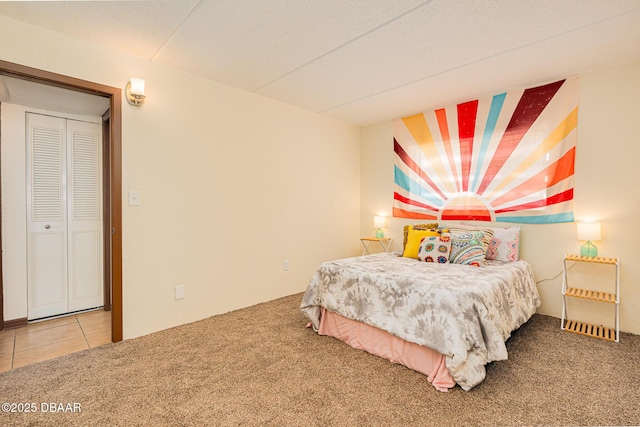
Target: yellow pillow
(414,238)
(405,230)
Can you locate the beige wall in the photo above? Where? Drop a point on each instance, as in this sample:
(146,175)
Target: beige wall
(605,188)
(231,184)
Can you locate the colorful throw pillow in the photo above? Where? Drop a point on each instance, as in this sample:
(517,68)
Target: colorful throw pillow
(467,248)
(486,231)
(435,249)
(414,238)
(505,244)
(405,230)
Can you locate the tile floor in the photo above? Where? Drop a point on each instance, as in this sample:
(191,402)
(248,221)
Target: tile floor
(53,338)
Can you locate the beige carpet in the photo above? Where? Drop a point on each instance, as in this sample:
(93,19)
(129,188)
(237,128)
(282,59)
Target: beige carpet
(261,366)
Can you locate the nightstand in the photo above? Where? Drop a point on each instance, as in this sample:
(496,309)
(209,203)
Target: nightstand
(385,242)
(601,332)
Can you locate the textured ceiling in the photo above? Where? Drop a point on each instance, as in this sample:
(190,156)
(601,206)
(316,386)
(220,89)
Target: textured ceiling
(362,61)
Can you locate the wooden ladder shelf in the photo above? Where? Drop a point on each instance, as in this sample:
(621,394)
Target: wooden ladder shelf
(596,331)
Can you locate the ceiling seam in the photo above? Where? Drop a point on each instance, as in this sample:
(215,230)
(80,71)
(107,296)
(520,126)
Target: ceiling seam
(175,31)
(366,33)
(475,62)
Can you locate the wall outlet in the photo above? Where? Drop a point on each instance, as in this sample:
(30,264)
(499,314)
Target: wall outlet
(134,198)
(286,265)
(180,292)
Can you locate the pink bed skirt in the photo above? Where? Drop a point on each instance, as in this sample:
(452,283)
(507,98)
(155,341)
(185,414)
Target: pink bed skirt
(381,343)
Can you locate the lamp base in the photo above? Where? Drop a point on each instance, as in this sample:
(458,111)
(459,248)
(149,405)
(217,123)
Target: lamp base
(380,233)
(589,249)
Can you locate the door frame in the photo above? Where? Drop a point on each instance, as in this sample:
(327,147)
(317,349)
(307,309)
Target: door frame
(113,194)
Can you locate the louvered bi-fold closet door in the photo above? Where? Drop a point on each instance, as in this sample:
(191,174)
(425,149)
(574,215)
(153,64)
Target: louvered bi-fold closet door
(65,217)
(46,226)
(85,264)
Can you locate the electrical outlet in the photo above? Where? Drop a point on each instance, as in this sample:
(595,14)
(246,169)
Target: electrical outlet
(180,292)
(134,198)
(286,265)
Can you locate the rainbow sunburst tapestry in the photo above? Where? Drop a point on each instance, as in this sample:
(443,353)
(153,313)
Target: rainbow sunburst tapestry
(506,158)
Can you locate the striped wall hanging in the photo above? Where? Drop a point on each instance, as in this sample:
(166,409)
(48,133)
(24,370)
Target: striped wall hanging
(506,158)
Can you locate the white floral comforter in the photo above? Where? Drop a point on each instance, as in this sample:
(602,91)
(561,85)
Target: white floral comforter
(464,312)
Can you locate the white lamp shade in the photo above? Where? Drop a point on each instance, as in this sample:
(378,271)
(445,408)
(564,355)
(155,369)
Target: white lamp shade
(137,86)
(379,221)
(589,230)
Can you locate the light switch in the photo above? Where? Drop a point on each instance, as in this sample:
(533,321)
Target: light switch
(134,198)
(180,292)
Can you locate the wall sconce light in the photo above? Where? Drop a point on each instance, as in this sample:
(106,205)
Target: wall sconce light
(135,91)
(589,231)
(379,222)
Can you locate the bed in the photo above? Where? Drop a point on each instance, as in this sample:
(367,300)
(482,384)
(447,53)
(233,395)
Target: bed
(445,320)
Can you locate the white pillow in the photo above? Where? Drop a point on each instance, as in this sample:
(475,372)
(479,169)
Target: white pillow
(505,244)
(435,249)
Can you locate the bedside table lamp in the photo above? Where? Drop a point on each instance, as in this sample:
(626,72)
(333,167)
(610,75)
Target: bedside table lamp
(378,222)
(589,231)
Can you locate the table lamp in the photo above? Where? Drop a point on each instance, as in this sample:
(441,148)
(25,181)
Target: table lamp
(379,222)
(589,231)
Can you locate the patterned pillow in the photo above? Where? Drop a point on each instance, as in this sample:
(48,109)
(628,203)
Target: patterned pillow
(486,231)
(467,248)
(413,241)
(435,249)
(505,244)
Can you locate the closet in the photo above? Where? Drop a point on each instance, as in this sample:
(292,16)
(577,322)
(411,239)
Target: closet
(64,215)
